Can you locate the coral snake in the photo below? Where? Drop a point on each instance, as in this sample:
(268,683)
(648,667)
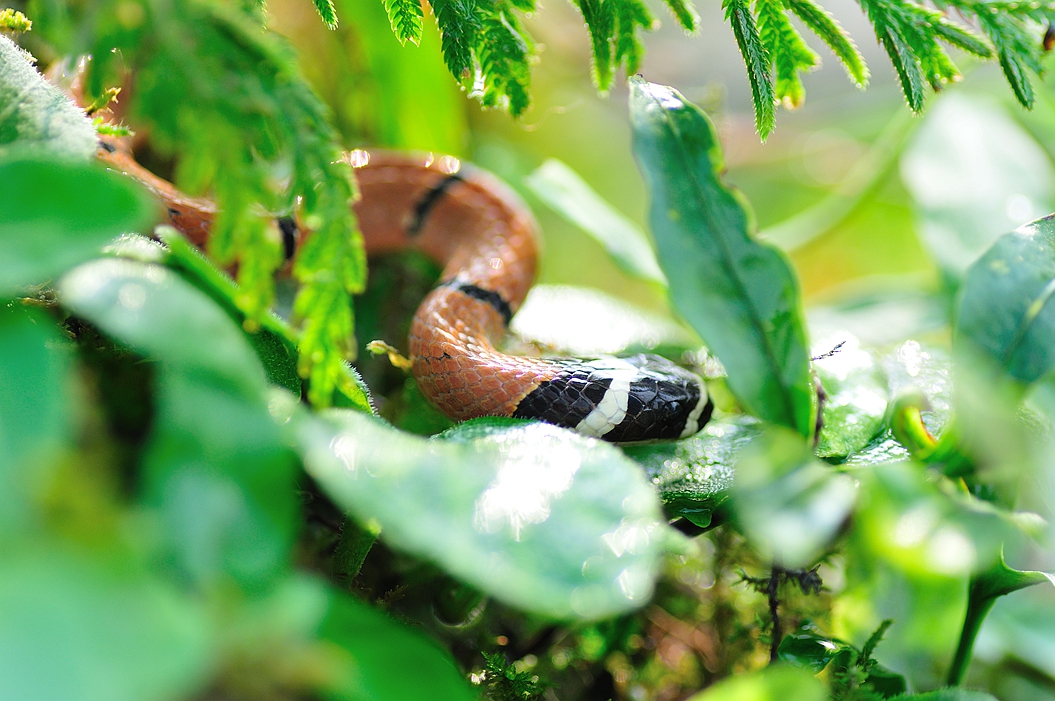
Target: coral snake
(484,237)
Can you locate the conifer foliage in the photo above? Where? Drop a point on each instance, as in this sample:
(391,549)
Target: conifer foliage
(488,50)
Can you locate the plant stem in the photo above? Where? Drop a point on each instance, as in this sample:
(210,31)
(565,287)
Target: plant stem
(977,609)
(774,613)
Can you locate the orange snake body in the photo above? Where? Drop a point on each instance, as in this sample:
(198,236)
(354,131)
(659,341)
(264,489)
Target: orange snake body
(485,239)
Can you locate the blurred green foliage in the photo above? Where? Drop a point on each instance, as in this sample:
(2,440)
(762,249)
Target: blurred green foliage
(180,520)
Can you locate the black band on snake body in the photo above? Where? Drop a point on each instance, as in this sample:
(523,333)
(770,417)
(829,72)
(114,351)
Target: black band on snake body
(429,200)
(489,296)
(624,400)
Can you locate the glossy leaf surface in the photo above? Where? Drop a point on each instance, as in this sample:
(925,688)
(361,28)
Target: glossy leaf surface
(1004,313)
(586,322)
(694,476)
(789,503)
(535,515)
(855,396)
(58,214)
(974,174)
(739,294)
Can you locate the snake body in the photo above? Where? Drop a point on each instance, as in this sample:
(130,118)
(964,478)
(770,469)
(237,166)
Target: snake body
(485,239)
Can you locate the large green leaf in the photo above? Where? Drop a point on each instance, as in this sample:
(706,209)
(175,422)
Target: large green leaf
(535,515)
(787,502)
(216,467)
(155,312)
(955,694)
(35,409)
(1004,313)
(694,476)
(855,396)
(775,683)
(973,174)
(739,294)
(57,214)
(93,626)
(379,652)
(37,117)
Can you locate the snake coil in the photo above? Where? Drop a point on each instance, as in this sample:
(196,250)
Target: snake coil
(485,239)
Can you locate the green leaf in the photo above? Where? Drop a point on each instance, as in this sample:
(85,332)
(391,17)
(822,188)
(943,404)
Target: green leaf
(255,134)
(775,683)
(694,475)
(216,469)
(973,174)
(222,481)
(93,626)
(855,396)
(739,294)
(928,528)
(532,514)
(569,195)
(757,61)
(787,502)
(789,53)
(1004,312)
(405,17)
(383,660)
(65,213)
(35,411)
(156,313)
(1016,48)
(37,117)
(274,341)
(824,26)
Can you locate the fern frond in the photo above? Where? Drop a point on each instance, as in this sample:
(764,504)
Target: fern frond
(459,24)
(405,18)
(788,51)
(685,13)
(629,16)
(757,61)
(327,12)
(599,16)
(503,53)
(831,33)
